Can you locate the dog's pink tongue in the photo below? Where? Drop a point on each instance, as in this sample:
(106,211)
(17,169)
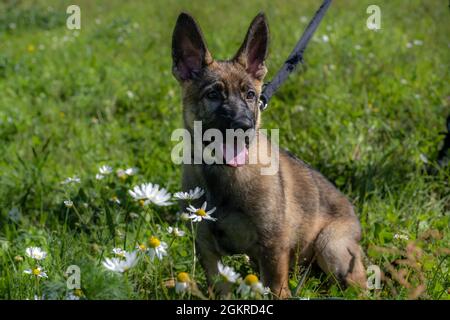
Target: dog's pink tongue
(234,157)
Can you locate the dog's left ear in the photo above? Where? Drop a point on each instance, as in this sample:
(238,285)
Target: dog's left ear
(255,47)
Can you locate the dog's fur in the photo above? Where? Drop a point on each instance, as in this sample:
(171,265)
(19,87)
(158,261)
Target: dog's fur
(293,216)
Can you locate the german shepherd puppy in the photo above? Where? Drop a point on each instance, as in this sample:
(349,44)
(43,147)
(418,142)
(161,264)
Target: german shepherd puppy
(293,216)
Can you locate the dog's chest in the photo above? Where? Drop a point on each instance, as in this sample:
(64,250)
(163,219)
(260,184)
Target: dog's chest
(234,230)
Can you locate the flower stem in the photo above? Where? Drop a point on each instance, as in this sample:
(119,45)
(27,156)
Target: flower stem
(194,259)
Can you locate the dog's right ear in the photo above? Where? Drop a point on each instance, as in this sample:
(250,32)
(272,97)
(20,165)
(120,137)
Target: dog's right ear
(189,52)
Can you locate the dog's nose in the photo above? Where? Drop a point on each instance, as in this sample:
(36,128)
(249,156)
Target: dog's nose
(243,123)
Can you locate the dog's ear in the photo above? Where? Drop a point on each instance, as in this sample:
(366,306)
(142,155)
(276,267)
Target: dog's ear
(189,51)
(255,47)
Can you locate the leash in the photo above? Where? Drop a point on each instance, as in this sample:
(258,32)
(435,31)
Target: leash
(294,58)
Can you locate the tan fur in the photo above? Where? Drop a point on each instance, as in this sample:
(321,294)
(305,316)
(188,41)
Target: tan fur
(277,220)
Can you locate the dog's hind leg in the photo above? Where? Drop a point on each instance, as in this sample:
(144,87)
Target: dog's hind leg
(274,268)
(338,252)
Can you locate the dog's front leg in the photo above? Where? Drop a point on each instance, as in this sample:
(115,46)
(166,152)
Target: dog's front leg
(274,268)
(209,257)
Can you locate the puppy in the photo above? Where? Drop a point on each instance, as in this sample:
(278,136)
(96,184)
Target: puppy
(295,215)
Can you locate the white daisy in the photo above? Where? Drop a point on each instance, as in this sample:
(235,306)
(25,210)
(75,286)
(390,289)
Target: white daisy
(142,248)
(184,216)
(36,253)
(71,180)
(121,264)
(251,286)
(175,232)
(68,203)
(130,94)
(76,294)
(71,296)
(148,192)
(401,237)
(115,199)
(227,273)
(200,214)
(99,176)
(156,248)
(37,272)
(123,174)
(182,284)
(105,170)
(190,195)
(119,252)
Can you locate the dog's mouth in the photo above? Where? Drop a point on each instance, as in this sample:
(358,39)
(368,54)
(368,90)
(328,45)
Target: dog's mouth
(235,154)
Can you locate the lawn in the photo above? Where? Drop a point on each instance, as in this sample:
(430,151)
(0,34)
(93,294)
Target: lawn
(366,110)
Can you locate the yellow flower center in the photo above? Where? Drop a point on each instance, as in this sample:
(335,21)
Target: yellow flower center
(31,48)
(142,202)
(201,212)
(251,279)
(154,242)
(78,292)
(36,271)
(183,277)
(142,247)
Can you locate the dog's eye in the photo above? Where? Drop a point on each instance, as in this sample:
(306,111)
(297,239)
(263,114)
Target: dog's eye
(213,95)
(251,95)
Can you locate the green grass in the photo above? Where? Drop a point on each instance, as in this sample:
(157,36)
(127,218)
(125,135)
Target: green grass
(363,112)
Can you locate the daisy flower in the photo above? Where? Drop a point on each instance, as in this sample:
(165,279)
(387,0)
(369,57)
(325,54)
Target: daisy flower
(227,273)
(68,203)
(131,171)
(182,284)
(121,264)
(184,216)
(151,193)
(119,252)
(37,272)
(76,294)
(175,232)
(200,214)
(251,285)
(71,180)
(190,195)
(35,253)
(123,174)
(115,199)
(99,176)
(71,296)
(401,236)
(156,248)
(142,248)
(105,170)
